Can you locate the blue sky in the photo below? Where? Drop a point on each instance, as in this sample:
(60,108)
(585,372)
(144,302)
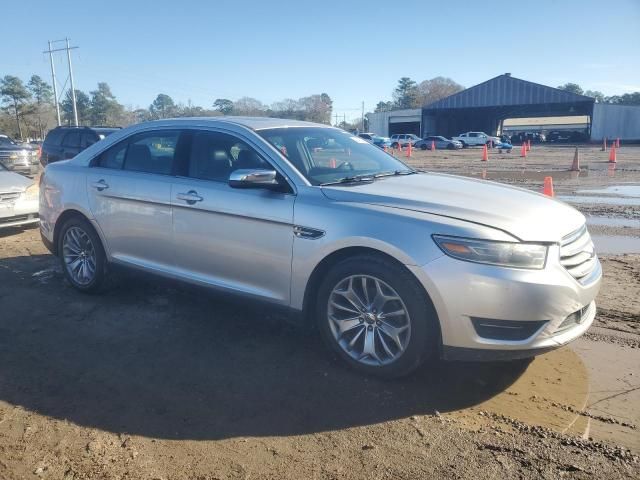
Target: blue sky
(353,50)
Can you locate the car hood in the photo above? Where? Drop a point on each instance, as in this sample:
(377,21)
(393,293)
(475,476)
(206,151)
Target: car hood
(15,148)
(13,182)
(526,215)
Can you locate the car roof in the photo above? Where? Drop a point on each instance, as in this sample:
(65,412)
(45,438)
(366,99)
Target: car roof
(254,123)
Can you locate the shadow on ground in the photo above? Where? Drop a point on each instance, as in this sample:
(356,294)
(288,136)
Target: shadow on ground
(152,358)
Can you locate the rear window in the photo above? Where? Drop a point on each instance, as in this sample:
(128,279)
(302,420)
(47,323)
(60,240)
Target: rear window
(54,137)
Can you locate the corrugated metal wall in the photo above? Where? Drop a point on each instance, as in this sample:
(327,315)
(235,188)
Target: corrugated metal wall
(615,121)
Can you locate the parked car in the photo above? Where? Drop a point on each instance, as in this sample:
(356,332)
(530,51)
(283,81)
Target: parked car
(382,142)
(367,136)
(502,146)
(18,199)
(393,265)
(471,139)
(404,139)
(62,143)
(18,157)
(440,143)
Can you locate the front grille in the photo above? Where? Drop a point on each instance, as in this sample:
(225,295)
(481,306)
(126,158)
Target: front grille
(578,255)
(9,197)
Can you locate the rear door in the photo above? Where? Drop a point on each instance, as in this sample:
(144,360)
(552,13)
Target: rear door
(236,239)
(129,188)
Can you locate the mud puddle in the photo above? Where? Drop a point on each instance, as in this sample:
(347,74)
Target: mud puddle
(616,244)
(547,394)
(619,190)
(625,201)
(614,222)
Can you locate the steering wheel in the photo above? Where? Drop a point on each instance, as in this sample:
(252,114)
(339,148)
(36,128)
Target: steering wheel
(344,166)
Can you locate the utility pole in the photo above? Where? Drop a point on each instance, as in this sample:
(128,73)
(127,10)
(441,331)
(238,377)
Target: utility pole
(55,88)
(73,88)
(363,116)
(53,74)
(336,119)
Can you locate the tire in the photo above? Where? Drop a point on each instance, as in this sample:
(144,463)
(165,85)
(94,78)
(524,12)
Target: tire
(464,145)
(394,145)
(450,146)
(413,344)
(423,146)
(81,232)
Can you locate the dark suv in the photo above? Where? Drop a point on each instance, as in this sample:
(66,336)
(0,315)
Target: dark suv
(66,142)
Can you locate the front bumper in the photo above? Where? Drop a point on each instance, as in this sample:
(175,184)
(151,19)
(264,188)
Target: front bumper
(463,292)
(22,212)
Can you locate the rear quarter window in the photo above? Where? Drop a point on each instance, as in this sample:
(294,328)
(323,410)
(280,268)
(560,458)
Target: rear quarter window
(54,137)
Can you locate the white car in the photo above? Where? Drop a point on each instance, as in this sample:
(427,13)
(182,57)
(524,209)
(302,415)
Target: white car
(18,199)
(472,139)
(404,139)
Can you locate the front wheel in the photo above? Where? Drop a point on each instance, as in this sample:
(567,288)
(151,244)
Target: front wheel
(464,145)
(423,146)
(81,255)
(376,316)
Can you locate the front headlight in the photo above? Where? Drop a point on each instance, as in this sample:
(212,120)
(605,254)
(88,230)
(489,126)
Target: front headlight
(504,254)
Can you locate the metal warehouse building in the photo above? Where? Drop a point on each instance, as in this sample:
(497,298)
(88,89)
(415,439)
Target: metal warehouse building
(486,106)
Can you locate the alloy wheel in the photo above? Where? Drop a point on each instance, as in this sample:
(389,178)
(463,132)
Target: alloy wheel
(368,320)
(79,255)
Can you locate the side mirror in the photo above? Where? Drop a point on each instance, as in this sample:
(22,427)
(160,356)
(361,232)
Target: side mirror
(253,178)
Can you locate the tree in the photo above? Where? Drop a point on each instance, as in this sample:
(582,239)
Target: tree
(435,89)
(626,99)
(105,109)
(572,87)
(599,96)
(223,105)
(16,96)
(83,104)
(162,107)
(249,107)
(43,96)
(406,93)
(383,107)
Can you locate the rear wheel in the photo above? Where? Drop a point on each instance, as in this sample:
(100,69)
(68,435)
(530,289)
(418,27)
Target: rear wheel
(464,145)
(375,316)
(82,256)
(450,146)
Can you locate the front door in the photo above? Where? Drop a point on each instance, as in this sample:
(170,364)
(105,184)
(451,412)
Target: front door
(236,239)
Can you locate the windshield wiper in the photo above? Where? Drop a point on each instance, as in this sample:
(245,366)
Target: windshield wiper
(394,173)
(354,179)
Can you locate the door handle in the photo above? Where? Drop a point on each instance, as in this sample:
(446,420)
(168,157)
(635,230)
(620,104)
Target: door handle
(190,197)
(100,185)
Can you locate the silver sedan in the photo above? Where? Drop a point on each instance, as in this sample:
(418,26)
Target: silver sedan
(392,265)
(439,142)
(18,199)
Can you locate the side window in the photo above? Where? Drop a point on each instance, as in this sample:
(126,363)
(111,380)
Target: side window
(114,157)
(473,134)
(87,139)
(152,152)
(72,139)
(215,155)
(54,137)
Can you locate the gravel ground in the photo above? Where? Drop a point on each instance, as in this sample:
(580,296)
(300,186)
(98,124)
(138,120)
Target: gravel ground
(157,380)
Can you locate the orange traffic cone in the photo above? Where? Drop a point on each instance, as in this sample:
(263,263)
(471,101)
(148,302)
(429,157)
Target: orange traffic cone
(409,148)
(384,147)
(548,186)
(529,145)
(399,148)
(604,144)
(433,145)
(490,143)
(618,142)
(523,151)
(612,154)
(575,167)
(485,153)
(332,163)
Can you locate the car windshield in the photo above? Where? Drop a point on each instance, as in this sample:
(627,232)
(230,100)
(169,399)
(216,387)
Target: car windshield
(329,155)
(4,140)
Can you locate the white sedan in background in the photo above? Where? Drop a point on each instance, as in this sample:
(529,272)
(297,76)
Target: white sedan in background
(18,199)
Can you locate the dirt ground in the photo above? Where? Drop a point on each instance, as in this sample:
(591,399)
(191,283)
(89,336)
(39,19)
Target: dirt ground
(157,380)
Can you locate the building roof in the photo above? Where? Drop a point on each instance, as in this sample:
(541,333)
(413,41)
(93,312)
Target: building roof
(505,90)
